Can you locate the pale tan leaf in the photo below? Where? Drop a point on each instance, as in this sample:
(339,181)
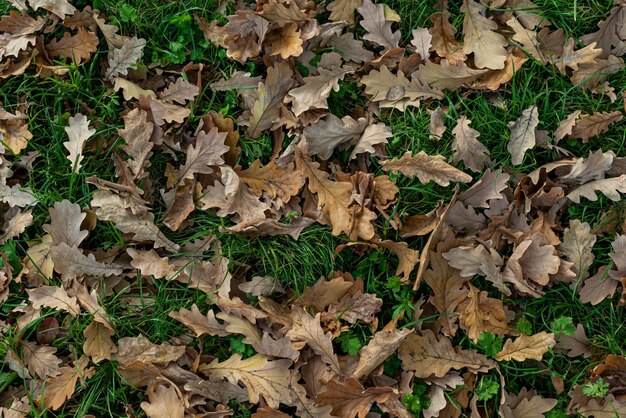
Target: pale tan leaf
(131,90)
(533,407)
(467,147)
(480,313)
(60,8)
(265,112)
(610,34)
(446,75)
(489,187)
(262,286)
(236,325)
(426,168)
(164,403)
(589,126)
(572,58)
(576,345)
(163,113)
(443,33)
(598,287)
(480,38)
(199,323)
(523,134)
(98,344)
(78,132)
(285,41)
(343,10)
(566,125)
(349,398)
(314,93)
(70,262)
(16,225)
(421,40)
(377,27)
(77,47)
(64,226)
(124,57)
(428,356)
(611,188)
(113,39)
(306,328)
(17,196)
(111,207)
(140,349)
(53,297)
(350,48)
(526,347)
(324,293)
(40,360)
(260,376)
(382,345)
(14,133)
(577,245)
(20,24)
(179,92)
(375,135)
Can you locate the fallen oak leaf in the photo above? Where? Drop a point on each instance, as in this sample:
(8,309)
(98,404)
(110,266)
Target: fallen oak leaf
(467,147)
(611,188)
(62,387)
(576,345)
(40,360)
(65,221)
(165,402)
(382,345)
(124,57)
(426,168)
(307,329)
(78,132)
(589,126)
(199,323)
(377,27)
(526,347)
(179,92)
(261,376)
(343,10)
(98,344)
(53,297)
(523,134)
(349,398)
(70,262)
(77,47)
(480,38)
(60,8)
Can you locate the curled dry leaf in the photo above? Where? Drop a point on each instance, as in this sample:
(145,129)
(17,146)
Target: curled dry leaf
(426,168)
(526,347)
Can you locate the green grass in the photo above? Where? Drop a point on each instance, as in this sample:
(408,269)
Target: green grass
(174,39)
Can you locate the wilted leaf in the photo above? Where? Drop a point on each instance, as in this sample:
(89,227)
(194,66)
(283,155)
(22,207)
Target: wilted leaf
(199,323)
(523,134)
(164,403)
(313,94)
(588,126)
(577,245)
(343,10)
(261,376)
(382,345)
(306,328)
(78,132)
(428,356)
(40,360)
(124,57)
(377,27)
(78,47)
(466,146)
(98,344)
(349,398)
(426,168)
(480,37)
(611,188)
(576,345)
(526,347)
(53,297)
(179,92)
(65,221)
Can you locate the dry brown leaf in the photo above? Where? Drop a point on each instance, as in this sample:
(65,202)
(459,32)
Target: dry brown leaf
(343,10)
(576,345)
(140,349)
(60,8)
(449,291)
(126,56)
(78,132)
(14,133)
(285,41)
(40,360)
(480,313)
(577,246)
(349,398)
(305,328)
(374,138)
(163,113)
(426,168)
(446,75)
(53,297)
(526,347)
(164,403)
(265,112)
(131,90)
(272,180)
(598,287)
(467,147)
(60,388)
(333,196)
(530,266)
(71,263)
(610,35)
(489,187)
(523,134)
(324,293)
(480,38)
(611,188)
(16,225)
(351,49)
(181,91)
(326,134)
(65,221)
(77,47)
(111,207)
(262,286)
(532,406)
(382,345)
(428,356)
(377,27)
(589,126)
(444,35)
(314,93)
(98,344)
(396,91)
(199,323)
(422,41)
(572,58)
(261,376)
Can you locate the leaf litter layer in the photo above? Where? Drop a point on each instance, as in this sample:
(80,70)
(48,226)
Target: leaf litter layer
(447,333)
